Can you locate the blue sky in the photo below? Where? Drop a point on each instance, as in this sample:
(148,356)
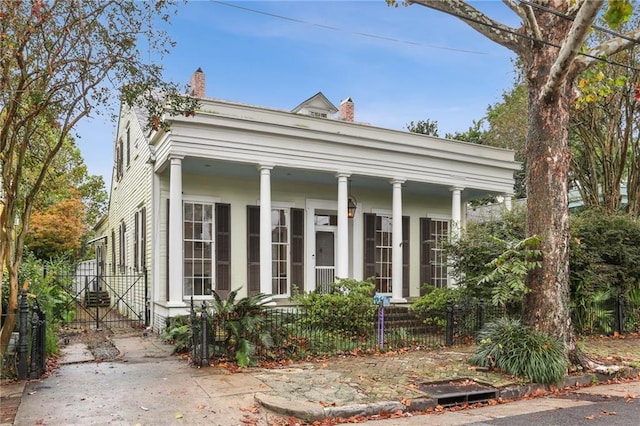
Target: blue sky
(412,63)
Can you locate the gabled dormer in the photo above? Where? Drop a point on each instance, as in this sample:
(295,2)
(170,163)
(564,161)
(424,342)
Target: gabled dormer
(316,106)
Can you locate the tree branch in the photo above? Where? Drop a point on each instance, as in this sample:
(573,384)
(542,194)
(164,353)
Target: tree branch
(569,50)
(493,30)
(608,48)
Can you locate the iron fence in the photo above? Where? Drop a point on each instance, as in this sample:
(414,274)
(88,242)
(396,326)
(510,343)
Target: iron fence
(29,348)
(293,335)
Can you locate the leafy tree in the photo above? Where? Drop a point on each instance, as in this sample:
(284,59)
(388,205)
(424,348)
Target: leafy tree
(551,46)
(605,133)
(424,127)
(57,229)
(59,62)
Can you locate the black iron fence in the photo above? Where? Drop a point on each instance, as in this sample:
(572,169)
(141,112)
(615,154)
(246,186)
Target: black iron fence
(29,351)
(292,334)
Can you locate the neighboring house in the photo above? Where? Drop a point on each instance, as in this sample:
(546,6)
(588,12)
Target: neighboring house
(273,201)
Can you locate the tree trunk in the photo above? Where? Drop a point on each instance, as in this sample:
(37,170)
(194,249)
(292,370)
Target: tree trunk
(548,160)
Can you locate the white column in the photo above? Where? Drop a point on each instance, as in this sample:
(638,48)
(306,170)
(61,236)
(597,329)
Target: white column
(396,241)
(176,262)
(456,216)
(508,201)
(266,286)
(342,253)
(456,213)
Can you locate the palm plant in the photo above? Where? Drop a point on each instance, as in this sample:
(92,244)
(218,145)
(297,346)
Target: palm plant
(239,325)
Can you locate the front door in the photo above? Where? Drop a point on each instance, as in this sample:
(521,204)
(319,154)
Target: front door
(325,260)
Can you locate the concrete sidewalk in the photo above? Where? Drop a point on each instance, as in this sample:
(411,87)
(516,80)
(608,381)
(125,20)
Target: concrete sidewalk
(147,385)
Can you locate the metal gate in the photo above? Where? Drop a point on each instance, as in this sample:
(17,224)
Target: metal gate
(117,299)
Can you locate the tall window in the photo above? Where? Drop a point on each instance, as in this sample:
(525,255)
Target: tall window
(280,250)
(384,259)
(122,250)
(128,146)
(198,249)
(433,264)
(139,246)
(119,160)
(439,235)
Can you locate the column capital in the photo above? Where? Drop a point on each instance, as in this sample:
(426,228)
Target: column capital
(175,157)
(456,188)
(265,166)
(343,175)
(397,180)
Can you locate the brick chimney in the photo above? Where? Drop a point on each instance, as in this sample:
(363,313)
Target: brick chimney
(346,110)
(196,86)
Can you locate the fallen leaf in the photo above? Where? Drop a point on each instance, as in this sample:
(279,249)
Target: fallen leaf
(201,407)
(178,415)
(144,408)
(591,417)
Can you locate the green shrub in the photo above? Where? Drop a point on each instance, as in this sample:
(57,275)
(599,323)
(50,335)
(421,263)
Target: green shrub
(346,310)
(521,351)
(431,307)
(178,333)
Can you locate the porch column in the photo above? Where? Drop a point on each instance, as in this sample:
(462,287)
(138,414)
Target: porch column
(266,286)
(342,253)
(176,262)
(396,241)
(508,201)
(456,213)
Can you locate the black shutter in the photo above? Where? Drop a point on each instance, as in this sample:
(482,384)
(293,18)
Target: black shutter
(369,245)
(136,236)
(297,249)
(405,256)
(223,250)
(425,253)
(253,249)
(113,251)
(143,243)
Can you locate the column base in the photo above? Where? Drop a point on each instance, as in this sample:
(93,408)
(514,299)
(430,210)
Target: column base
(400,300)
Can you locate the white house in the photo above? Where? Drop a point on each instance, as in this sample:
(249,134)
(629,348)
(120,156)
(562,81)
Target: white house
(266,200)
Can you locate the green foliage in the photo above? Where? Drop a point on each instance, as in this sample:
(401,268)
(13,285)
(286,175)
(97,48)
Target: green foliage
(479,245)
(431,307)
(510,268)
(178,333)
(346,310)
(241,321)
(605,251)
(618,12)
(521,351)
(424,127)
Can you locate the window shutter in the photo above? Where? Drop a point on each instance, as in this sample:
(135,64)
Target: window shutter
(405,256)
(425,253)
(113,251)
(136,238)
(297,249)
(143,240)
(223,250)
(253,249)
(369,245)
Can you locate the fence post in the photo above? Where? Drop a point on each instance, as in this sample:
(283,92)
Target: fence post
(147,302)
(204,340)
(449,330)
(23,312)
(33,370)
(42,337)
(194,334)
(620,313)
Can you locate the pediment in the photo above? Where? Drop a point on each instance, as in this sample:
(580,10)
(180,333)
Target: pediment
(317,105)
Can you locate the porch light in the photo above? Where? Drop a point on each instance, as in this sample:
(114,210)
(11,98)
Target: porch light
(351,208)
(351,204)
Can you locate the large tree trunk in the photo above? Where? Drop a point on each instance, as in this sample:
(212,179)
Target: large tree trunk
(548,160)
